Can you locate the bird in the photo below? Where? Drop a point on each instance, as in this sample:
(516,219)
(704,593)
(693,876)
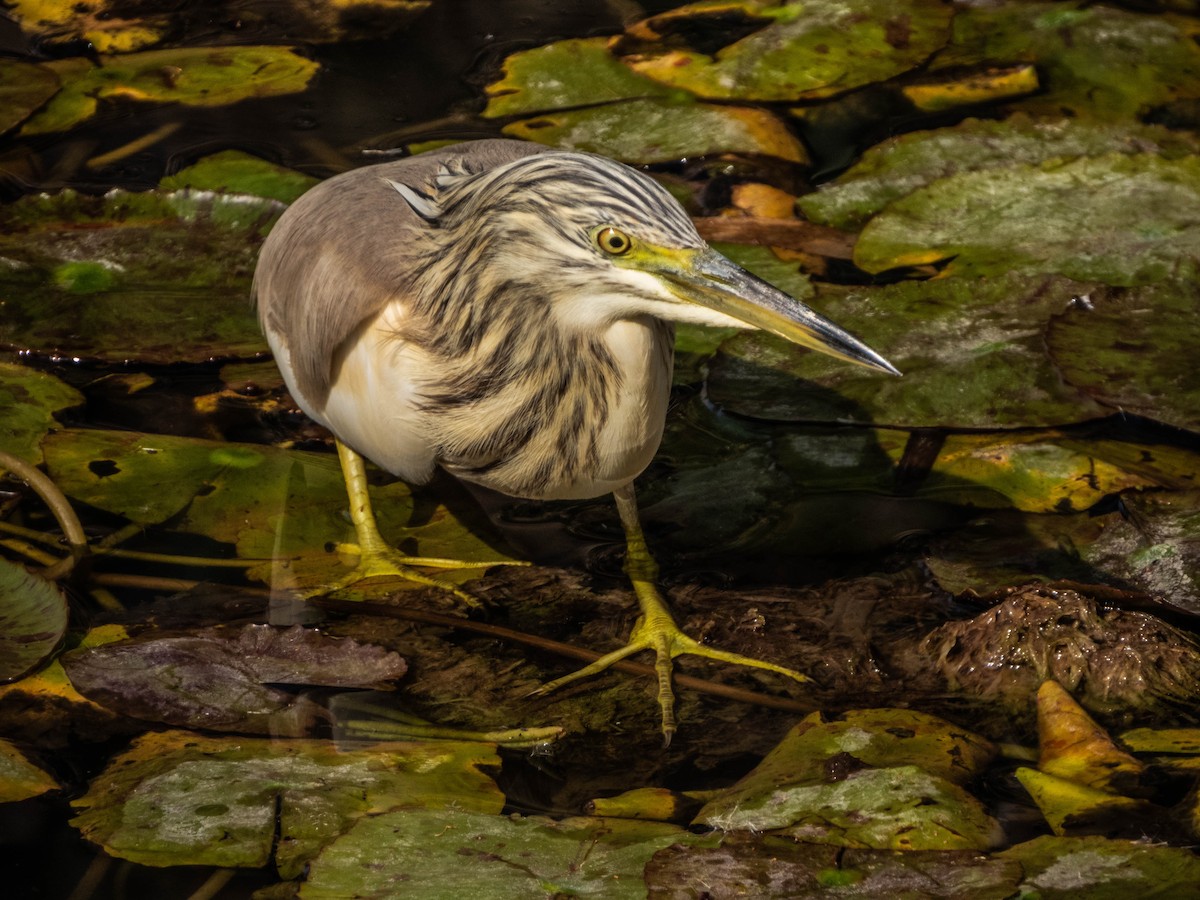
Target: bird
(505,311)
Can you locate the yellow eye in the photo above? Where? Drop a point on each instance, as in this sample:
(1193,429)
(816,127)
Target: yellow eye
(613,241)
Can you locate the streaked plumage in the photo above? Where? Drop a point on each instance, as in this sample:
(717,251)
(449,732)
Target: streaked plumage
(504,311)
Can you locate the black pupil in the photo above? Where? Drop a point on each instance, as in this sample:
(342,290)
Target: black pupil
(615,241)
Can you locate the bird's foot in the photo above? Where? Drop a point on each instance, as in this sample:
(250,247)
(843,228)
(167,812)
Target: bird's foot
(386,562)
(658,632)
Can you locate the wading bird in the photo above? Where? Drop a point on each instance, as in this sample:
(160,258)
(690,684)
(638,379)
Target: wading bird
(506,312)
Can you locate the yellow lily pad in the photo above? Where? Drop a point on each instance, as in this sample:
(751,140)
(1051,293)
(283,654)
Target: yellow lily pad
(1073,747)
(804,50)
(655,131)
(92,21)
(20,777)
(1074,808)
(195,76)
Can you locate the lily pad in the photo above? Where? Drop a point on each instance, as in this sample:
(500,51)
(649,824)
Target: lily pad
(93,21)
(155,277)
(1120,219)
(904,164)
(656,131)
(1094,60)
(1129,350)
(774,868)
(972,353)
(803,51)
(194,76)
(902,808)
(176,798)
(24,87)
(566,74)
(1058,868)
(30,399)
(20,777)
(269,502)
(33,620)
(458,853)
(234,172)
(222,681)
(880,738)
(1074,808)
(1072,746)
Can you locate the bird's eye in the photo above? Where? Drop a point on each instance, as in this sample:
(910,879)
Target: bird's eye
(613,241)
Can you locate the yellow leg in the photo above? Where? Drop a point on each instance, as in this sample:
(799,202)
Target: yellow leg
(378,558)
(655,629)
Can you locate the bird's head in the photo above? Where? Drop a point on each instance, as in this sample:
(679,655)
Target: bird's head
(600,242)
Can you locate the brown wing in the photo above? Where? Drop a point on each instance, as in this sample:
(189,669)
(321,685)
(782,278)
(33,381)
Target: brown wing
(339,254)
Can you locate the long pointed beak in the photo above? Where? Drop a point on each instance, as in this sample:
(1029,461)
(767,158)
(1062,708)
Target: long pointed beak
(713,281)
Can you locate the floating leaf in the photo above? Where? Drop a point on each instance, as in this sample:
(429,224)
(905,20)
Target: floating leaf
(457,853)
(1059,868)
(972,353)
(1120,219)
(902,808)
(234,172)
(24,87)
(1094,60)
(1130,350)
(30,399)
(93,21)
(175,798)
(1074,808)
(791,785)
(33,620)
(156,277)
(268,501)
(194,76)
(565,74)
(939,93)
(20,778)
(1074,747)
(653,131)
(766,866)
(904,164)
(1163,740)
(803,51)
(218,680)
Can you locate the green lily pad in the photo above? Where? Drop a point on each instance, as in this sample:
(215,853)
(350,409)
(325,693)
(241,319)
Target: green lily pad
(176,798)
(194,76)
(156,277)
(902,808)
(775,868)
(1120,219)
(904,164)
(269,502)
(20,778)
(30,399)
(566,74)
(458,853)
(222,681)
(972,353)
(1094,60)
(1067,868)
(804,51)
(1131,351)
(655,131)
(1073,808)
(33,620)
(24,87)
(234,172)
(885,739)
